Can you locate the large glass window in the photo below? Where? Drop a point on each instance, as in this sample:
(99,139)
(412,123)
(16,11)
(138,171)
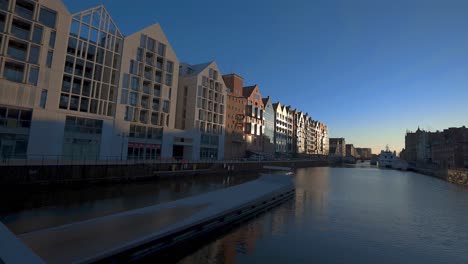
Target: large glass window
(17,50)
(33,76)
(37,34)
(48,17)
(161,49)
(53,36)
(13,71)
(25,8)
(64,98)
(34,54)
(20,29)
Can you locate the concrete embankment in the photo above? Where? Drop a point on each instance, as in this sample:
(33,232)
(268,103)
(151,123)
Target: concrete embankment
(132,235)
(69,174)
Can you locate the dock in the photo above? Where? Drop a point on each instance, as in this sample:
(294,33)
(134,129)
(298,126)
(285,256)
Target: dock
(132,235)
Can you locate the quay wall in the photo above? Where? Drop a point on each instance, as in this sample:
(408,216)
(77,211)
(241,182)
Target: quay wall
(69,174)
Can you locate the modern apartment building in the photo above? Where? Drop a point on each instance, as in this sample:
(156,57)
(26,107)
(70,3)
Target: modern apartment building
(74,88)
(300,132)
(351,151)
(283,130)
(234,143)
(337,147)
(254,119)
(148,94)
(201,108)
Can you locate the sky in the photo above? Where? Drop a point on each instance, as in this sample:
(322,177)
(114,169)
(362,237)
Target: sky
(369,69)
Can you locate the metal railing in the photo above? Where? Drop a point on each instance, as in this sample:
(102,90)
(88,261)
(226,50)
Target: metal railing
(61,160)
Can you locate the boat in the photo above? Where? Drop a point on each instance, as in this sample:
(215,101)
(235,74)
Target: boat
(386,158)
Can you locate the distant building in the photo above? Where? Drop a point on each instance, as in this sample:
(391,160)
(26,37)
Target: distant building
(364,153)
(283,130)
(234,143)
(300,132)
(337,147)
(269,133)
(447,148)
(350,151)
(254,122)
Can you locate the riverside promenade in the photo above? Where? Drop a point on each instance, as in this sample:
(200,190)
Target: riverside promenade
(132,235)
(114,171)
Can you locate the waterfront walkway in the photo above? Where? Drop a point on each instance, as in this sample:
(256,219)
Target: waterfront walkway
(104,237)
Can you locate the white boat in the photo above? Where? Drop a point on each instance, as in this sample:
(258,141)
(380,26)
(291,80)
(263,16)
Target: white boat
(386,158)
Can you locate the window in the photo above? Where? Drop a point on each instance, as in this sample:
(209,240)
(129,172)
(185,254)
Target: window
(124,97)
(143,40)
(42,104)
(37,34)
(128,113)
(24,9)
(63,101)
(159,63)
(48,17)
(2,21)
(50,55)
(158,77)
(157,90)
(20,29)
(155,119)
(17,50)
(151,44)
(161,49)
(74,102)
(168,79)
(34,54)
(4,4)
(52,38)
(169,66)
(133,99)
(166,106)
(135,85)
(140,54)
(155,104)
(14,71)
(33,76)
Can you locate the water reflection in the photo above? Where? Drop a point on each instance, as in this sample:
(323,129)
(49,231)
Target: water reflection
(29,210)
(353,215)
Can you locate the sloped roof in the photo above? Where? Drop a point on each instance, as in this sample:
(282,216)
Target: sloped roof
(247,91)
(99,13)
(198,68)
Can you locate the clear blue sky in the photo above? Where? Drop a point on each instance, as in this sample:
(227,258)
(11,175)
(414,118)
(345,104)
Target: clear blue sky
(369,69)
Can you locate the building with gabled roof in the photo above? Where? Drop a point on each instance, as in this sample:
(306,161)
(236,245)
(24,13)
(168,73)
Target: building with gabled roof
(234,144)
(201,109)
(254,122)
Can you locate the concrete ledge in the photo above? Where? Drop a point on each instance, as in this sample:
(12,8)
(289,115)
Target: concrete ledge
(13,250)
(131,235)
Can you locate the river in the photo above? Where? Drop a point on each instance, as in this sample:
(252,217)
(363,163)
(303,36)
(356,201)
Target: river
(353,215)
(357,214)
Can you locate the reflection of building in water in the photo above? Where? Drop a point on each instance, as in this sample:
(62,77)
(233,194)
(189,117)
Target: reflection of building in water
(299,204)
